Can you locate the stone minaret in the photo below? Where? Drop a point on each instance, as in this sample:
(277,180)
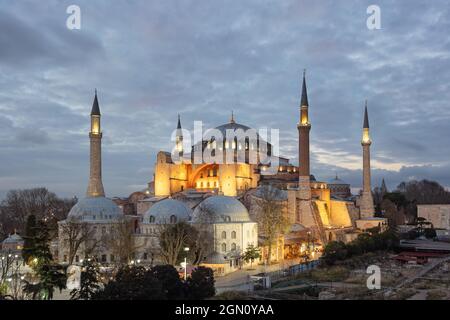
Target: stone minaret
(95,188)
(179,138)
(304,127)
(366,207)
(384,188)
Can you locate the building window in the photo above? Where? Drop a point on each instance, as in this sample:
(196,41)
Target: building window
(104,258)
(145,256)
(233,247)
(173,219)
(224,235)
(224,247)
(152,219)
(111,258)
(233,235)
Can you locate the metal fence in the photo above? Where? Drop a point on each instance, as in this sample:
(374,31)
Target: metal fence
(292,270)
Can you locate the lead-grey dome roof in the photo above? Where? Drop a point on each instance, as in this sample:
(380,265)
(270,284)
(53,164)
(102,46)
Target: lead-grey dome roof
(219,209)
(95,209)
(14,238)
(162,211)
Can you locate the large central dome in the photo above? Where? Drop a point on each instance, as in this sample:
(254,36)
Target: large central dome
(95,209)
(219,209)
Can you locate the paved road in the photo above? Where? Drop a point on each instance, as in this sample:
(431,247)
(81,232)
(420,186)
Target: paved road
(238,280)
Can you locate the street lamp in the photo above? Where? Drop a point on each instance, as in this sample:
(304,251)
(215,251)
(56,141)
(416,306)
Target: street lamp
(185,263)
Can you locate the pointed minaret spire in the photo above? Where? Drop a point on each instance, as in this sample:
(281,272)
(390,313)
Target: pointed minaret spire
(95,108)
(366,118)
(179,138)
(384,188)
(179,122)
(232,117)
(95,187)
(304,101)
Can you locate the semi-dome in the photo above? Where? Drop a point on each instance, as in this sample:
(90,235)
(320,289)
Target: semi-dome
(95,209)
(270,192)
(167,211)
(219,209)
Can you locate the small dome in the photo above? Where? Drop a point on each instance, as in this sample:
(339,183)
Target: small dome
(14,238)
(219,209)
(95,209)
(336,180)
(167,211)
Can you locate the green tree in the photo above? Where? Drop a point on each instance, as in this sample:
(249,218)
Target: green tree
(29,239)
(89,283)
(132,283)
(251,254)
(50,275)
(334,251)
(201,284)
(171,283)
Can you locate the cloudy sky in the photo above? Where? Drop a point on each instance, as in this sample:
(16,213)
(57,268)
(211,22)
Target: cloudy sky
(151,60)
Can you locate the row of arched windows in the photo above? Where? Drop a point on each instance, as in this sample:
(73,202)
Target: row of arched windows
(173,219)
(224,247)
(233,234)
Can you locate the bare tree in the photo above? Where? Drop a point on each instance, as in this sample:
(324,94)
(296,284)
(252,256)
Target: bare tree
(10,277)
(45,205)
(172,239)
(272,223)
(75,234)
(121,241)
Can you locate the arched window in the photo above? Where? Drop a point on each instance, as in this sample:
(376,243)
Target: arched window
(233,247)
(224,234)
(233,235)
(224,247)
(152,219)
(173,219)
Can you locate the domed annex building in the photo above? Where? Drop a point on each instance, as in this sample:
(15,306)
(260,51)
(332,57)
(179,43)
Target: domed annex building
(167,211)
(231,230)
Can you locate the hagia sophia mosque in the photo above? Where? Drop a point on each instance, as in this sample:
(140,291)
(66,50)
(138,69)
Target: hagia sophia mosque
(229,196)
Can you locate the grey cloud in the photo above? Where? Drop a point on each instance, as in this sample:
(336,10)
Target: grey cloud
(151,60)
(35,137)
